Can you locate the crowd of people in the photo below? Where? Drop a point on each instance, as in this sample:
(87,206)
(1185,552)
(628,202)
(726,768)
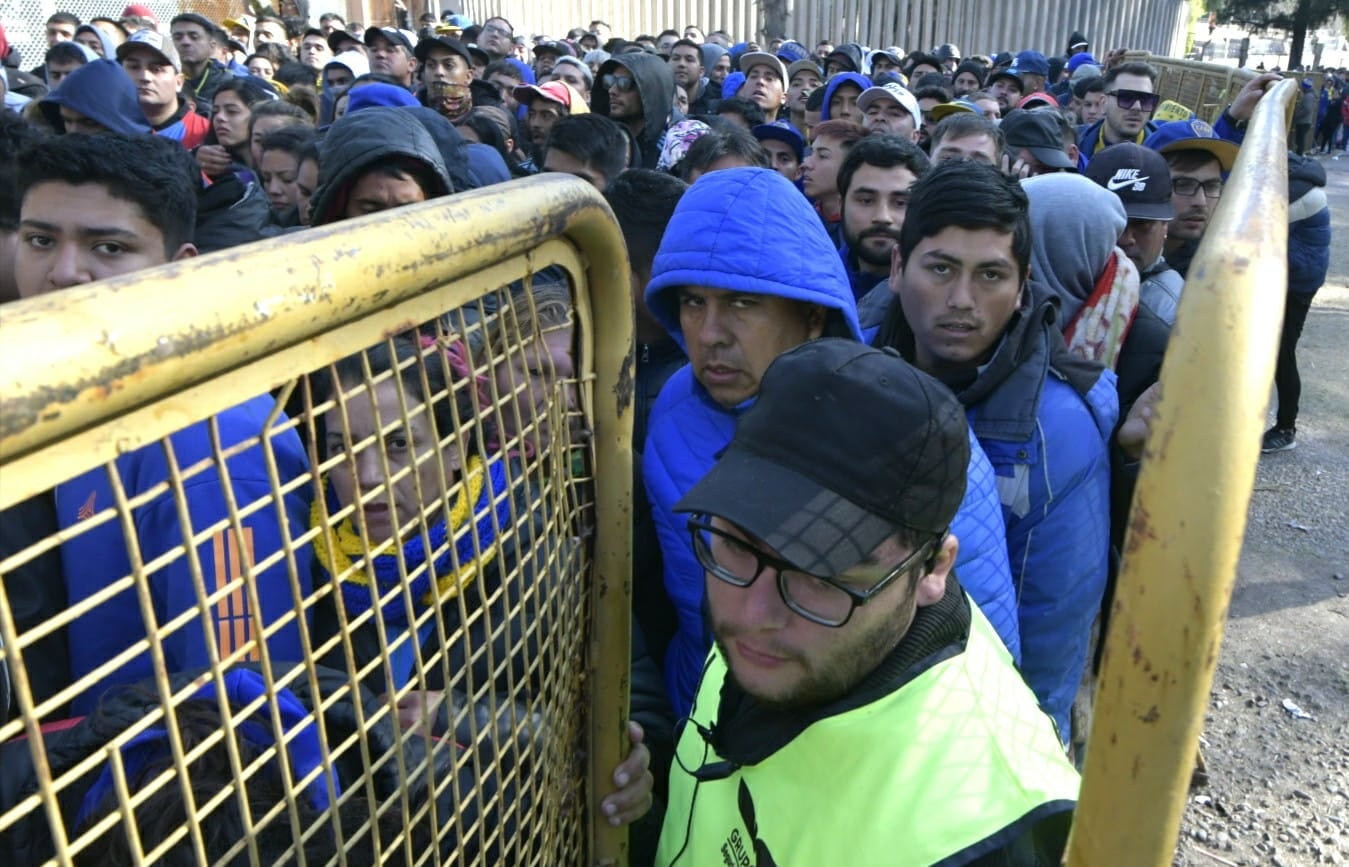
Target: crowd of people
(900,319)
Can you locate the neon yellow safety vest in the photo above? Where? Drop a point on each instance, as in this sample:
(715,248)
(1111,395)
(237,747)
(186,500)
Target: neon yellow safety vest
(955,763)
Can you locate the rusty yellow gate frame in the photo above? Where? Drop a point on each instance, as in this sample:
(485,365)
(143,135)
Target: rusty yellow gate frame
(97,371)
(1189,516)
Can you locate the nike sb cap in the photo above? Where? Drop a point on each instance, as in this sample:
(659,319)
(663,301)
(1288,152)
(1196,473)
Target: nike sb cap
(844,446)
(1139,176)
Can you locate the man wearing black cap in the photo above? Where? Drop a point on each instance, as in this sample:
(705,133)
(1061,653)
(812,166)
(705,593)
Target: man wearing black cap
(446,72)
(1035,141)
(192,36)
(546,55)
(341,40)
(844,641)
(1142,180)
(1006,87)
(391,53)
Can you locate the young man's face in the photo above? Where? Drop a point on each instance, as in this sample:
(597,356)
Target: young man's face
(70,235)
(193,42)
(883,64)
(1092,107)
(1194,207)
(979,147)
(625,100)
(888,116)
(1142,241)
(59,31)
(732,337)
(315,53)
(721,69)
(270,32)
(91,41)
(843,103)
(542,116)
(782,158)
(561,161)
(965,83)
(157,83)
(1007,91)
(819,170)
(873,214)
(390,58)
(800,88)
(1125,111)
(506,85)
(958,290)
(786,661)
(686,65)
(766,89)
(57,72)
(571,75)
(377,191)
(496,37)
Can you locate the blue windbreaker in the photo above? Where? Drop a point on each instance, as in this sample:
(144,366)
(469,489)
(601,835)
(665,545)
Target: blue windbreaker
(97,558)
(741,230)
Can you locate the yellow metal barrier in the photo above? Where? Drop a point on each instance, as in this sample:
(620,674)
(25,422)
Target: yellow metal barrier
(1189,516)
(95,373)
(1204,88)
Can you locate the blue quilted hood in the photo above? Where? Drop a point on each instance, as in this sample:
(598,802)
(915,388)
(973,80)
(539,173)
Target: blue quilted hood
(750,230)
(835,83)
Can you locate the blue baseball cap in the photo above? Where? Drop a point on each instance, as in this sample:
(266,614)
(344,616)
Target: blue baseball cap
(784,132)
(1192,135)
(1079,59)
(1032,62)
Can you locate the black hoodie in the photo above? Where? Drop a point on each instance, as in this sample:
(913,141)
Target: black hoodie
(655,83)
(363,139)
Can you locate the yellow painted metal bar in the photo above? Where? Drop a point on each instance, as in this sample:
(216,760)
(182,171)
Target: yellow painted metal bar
(148,346)
(1189,516)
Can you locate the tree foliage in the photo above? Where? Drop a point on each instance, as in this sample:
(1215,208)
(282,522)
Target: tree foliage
(1295,16)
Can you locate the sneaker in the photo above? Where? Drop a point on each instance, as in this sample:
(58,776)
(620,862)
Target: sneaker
(1278,440)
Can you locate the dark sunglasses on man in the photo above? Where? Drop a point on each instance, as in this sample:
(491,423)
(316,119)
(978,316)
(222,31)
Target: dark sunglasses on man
(621,83)
(1135,99)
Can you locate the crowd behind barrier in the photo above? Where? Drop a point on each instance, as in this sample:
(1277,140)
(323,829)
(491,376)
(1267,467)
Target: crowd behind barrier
(428,524)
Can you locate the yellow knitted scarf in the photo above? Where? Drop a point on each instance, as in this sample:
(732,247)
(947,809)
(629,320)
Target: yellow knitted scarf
(337,548)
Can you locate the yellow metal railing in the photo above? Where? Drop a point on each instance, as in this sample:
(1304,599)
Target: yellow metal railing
(1189,516)
(97,372)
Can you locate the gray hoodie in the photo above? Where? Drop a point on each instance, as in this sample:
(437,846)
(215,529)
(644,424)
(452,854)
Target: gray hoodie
(655,83)
(1075,225)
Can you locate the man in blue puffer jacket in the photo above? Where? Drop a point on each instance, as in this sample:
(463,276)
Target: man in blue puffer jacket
(965,313)
(744,273)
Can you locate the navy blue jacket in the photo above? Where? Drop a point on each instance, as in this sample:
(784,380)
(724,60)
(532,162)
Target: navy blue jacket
(103,92)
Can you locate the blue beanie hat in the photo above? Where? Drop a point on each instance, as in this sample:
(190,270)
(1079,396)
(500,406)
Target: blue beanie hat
(379,94)
(732,84)
(791,51)
(526,72)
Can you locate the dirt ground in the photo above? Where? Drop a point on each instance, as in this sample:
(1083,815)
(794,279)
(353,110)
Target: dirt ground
(1278,792)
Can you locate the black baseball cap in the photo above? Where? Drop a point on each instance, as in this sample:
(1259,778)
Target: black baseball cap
(339,38)
(404,38)
(844,446)
(1139,176)
(1038,132)
(447,42)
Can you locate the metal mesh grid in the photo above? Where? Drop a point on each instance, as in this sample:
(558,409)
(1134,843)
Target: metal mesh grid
(453,456)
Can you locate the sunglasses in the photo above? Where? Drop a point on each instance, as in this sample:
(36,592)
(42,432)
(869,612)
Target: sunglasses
(1134,99)
(621,83)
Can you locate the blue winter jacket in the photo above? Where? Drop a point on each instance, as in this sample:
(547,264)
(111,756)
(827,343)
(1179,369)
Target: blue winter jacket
(727,234)
(1308,226)
(1045,419)
(95,559)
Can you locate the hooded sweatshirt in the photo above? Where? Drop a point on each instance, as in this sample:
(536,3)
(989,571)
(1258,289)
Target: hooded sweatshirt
(470,164)
(655,84)
(360,140)
(837,81)
(102,92)
(712,90)
(748,230)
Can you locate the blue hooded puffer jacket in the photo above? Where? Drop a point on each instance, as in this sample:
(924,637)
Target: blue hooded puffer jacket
(729,232)
(95,559)
(104,93)
(837,81)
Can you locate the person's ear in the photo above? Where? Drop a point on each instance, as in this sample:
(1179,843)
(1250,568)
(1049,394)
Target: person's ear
(816,316)
(186,251)
(896,269)
(932,586)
